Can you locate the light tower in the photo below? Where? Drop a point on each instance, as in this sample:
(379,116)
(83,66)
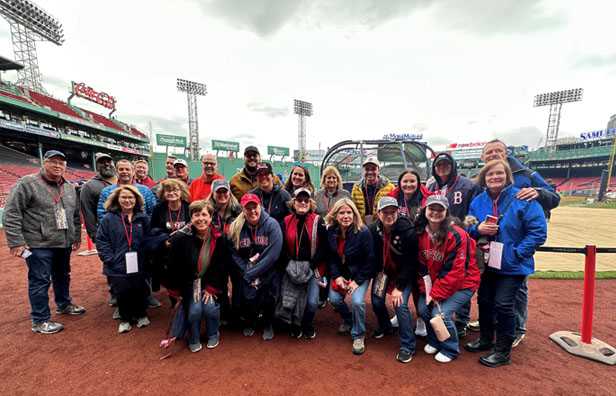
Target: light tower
(556,100)
(303,110)
(192,89)
(30,23)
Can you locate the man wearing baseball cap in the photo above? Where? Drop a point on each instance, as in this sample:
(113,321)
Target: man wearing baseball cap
(181,171)
(91,191)
(246,179)
(42,224)
(395,247)
(370,189)
(202,187)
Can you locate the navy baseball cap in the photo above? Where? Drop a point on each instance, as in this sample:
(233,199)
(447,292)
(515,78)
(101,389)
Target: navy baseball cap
(53,153)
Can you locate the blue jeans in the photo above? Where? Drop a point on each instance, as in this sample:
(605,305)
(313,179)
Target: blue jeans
(521,307)
(405,320)
(48,267)
(312,303)
(196,310)
(449,347)
(357,317)
(463,314)
(497,297)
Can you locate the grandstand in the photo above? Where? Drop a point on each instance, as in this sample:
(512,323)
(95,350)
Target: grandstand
(32,123)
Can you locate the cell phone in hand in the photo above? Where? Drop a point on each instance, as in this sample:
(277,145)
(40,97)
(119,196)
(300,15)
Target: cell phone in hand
(491,219)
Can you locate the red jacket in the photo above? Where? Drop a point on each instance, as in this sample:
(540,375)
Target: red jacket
(148,182)
(452,267)
(200,188)
(424,193)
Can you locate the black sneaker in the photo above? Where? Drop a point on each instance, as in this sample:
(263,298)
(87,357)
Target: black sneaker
(461,329)
(378,333)
(296,332)
(268,332)
(404,356)
(113,301)
(309,333)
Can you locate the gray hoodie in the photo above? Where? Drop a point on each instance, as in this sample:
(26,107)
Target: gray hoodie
(30,214)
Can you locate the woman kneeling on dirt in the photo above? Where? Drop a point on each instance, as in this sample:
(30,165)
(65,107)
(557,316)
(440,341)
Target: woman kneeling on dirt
(256,243)
(449,274)
(351,266)
(197,257)
(515,228)
(302,258)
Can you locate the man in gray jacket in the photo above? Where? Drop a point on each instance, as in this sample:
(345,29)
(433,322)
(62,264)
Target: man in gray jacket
(42,224)
(91,191)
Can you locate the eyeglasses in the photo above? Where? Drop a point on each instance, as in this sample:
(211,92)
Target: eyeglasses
(127,198)
(301,164)
(209,164)
(302,200)
(174,191)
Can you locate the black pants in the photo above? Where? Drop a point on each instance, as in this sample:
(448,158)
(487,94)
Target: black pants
(496,297)
(132,292)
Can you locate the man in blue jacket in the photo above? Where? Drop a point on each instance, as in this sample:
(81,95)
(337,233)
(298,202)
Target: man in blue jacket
(532,186)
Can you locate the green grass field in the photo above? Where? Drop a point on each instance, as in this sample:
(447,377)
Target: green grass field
(581,203)
(571,275)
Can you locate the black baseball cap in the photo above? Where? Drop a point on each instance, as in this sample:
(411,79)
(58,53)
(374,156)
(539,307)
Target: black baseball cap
(251,148)
(264,167)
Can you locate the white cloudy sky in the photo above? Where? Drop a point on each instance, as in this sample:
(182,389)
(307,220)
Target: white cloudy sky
(454,70)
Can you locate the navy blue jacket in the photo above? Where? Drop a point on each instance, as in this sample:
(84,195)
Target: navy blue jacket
(112,244)
(524,177)
(460,190)
(358,253)
(522,229)
(274,202)
(268,243)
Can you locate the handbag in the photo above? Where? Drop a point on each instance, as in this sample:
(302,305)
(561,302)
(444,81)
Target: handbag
(438,325)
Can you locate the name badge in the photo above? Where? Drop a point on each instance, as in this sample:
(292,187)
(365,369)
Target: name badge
(61,223)
(132,265)
(496,255)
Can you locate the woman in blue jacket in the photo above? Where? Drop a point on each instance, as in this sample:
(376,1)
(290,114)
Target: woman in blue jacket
(351,266)
(118,242)
(519,228)
(256,242)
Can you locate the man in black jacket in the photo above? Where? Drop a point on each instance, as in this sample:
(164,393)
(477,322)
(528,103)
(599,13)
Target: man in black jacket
(91,191)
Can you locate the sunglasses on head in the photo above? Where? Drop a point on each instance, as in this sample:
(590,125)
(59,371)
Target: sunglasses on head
(301,164)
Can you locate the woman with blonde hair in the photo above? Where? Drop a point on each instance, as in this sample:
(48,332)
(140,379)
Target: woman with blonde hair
(169,215)
(330,192)
(118,242)
(351,266)
(256,242)
(225,206)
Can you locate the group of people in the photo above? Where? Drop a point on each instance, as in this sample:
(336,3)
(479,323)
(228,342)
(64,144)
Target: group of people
(286,249)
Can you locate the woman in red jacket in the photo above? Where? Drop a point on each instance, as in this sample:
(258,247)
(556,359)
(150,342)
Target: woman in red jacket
(448,273)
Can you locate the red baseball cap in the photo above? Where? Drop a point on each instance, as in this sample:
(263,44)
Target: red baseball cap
(247,198)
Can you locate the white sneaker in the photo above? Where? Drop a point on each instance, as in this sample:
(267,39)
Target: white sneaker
(430,350)
(394,321)
(442,358)
(143,322)
(124,327)
(420,329)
